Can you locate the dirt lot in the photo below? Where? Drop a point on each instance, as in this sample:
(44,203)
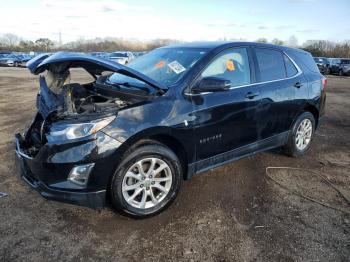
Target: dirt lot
(233,213)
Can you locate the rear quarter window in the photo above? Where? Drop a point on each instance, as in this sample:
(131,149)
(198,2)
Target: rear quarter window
(307,60)
(290,67)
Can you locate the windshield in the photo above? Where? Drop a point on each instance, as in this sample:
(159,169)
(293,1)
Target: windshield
(165,65)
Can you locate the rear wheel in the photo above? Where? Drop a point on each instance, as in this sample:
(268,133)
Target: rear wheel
(301,135)
(147,181)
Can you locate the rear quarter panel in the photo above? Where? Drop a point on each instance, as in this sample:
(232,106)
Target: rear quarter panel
(316,93)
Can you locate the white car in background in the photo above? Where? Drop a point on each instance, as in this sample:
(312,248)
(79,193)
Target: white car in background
(122,57)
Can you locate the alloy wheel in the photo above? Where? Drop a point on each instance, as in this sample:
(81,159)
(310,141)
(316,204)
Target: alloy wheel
(147,182)
(303,134)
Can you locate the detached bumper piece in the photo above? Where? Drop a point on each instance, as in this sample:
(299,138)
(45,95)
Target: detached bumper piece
(27,166)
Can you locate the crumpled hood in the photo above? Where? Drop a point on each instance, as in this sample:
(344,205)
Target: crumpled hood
(94,65)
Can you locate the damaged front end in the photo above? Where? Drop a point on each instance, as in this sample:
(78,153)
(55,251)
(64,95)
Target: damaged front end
(61,102)
(64,148)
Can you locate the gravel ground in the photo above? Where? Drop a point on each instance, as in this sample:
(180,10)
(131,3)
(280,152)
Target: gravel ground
(232,213)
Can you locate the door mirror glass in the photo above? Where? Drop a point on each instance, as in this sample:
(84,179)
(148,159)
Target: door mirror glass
(212,84)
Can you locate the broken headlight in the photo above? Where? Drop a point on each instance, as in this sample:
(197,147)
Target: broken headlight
(69,131)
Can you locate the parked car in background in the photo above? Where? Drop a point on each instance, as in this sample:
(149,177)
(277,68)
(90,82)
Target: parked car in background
(322,64)
(23,59)
(14,59)
(336,65)
(344,68)
(122,57)
(138,54)
(132,136)
(104,55)
(4,53)
(10,60)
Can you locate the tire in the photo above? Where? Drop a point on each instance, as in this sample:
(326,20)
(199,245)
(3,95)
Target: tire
(293,148)
(341,73)
(146,197)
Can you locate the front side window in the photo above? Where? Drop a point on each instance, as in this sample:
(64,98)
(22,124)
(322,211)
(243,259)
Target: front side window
(271,64)
(232,65)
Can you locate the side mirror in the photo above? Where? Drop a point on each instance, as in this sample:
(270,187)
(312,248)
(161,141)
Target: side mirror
(212,84)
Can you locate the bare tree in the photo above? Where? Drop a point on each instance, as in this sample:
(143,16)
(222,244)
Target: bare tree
(292,41)
(25,45)
(10,40)
(44,43)
(276,41)
(261,40)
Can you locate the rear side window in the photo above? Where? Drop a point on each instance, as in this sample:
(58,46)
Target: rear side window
(290,67)
(232,65)
(271,64)
(307,60)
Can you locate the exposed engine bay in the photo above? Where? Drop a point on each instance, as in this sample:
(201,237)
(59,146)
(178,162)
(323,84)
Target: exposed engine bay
(58,98)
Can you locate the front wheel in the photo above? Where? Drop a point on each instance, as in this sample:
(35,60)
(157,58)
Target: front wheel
(301,135)
(341,73)
(147,181)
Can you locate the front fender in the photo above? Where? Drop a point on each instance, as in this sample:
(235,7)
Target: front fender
(164,118)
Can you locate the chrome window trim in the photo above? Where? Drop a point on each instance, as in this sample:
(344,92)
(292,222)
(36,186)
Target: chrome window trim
(259,83)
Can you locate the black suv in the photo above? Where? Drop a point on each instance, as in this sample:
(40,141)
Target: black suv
(322,64)
(133,134)
(340,66)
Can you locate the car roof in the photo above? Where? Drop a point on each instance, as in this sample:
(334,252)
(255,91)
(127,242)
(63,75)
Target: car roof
(218,44)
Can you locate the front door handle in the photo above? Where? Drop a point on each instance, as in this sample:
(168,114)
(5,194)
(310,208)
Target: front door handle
(298,85)
(251,95)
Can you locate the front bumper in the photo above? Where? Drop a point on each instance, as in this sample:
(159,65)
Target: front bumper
(49,177)
(94,200)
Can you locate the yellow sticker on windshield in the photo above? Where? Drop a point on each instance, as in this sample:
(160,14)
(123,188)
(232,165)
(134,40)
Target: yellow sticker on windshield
(230,65)
(160,64)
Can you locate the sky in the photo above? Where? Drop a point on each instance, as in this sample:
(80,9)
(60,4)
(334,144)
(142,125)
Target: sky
(178,19)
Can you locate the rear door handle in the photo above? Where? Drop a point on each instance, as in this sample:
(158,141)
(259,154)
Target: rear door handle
(298,85)
(251,95)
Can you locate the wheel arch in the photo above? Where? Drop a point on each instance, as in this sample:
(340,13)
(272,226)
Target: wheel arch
(314,111)
(162,136)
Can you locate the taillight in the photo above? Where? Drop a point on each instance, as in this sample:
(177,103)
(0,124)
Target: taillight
(324,83)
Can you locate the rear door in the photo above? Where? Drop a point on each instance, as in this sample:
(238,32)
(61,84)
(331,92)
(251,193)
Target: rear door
(226,120)
(283,90)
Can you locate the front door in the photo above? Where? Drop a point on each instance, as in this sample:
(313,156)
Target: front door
(226,120)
